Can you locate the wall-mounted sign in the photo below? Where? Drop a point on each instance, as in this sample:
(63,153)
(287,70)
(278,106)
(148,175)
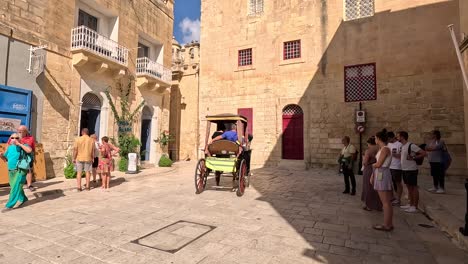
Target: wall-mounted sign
(360,129)
(124,127)
(360,116)
(9,124)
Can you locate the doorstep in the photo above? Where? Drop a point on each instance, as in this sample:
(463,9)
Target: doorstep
(447,210)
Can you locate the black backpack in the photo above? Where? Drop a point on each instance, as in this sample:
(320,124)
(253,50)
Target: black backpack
(419,161)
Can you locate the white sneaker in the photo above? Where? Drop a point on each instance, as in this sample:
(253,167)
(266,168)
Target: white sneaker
(433,189)
(412,209)
(440,191)
(404,207)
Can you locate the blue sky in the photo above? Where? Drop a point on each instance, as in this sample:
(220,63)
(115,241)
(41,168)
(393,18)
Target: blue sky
(187,20)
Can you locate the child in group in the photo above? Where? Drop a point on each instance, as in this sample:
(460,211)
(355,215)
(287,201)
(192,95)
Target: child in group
(106,151)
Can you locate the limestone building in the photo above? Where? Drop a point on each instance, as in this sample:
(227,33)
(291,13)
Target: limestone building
(184,101)
(81,48)
(463,38)
(298,70)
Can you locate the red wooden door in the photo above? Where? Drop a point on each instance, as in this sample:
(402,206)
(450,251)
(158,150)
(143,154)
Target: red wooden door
(248,113)
(293,133)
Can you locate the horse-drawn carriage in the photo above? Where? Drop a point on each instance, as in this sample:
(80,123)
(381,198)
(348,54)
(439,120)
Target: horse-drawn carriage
(225,156)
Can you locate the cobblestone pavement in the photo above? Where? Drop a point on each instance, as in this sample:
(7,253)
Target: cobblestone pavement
(284,217)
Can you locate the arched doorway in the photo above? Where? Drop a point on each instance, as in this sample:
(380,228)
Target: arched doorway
(146,117)
(90,113)
(293,133)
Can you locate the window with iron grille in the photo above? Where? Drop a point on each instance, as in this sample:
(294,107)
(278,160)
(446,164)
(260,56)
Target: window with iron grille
(245,57)
(355,9)
(292,49)
(360,83)
(255,7)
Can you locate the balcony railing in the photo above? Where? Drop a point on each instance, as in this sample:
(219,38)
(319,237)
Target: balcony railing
(88,39)
(154,69)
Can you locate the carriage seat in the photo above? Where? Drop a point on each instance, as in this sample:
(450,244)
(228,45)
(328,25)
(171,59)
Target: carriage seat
(223,148)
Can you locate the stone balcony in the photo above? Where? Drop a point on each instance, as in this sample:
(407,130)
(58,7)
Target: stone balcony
(152,75)
(89,46)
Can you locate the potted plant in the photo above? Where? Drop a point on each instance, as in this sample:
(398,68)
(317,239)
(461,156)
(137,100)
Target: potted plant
(164,138)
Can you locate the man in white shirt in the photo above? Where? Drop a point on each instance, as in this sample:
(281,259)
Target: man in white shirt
(395,167)
(410,170)
(346,161)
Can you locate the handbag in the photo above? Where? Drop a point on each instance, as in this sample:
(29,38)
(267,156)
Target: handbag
(446,158)
(24,162)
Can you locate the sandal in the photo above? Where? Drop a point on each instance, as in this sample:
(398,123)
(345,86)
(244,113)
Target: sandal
(383,228)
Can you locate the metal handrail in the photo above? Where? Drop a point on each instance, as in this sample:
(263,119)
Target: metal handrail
(85,38)
(154,69)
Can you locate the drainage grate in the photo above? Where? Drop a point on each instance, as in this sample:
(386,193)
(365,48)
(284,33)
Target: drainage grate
(174,237)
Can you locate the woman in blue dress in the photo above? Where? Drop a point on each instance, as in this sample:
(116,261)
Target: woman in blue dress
(16,176)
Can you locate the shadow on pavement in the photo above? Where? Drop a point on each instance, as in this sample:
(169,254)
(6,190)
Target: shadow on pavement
(225,183)
(116,182)
(43,196)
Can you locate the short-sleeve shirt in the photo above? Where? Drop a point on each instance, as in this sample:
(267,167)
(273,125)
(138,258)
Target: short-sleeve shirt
(348,151)
(408,165)
(13,154)
(30,141)
(395,147)
(96,149)
(436,154)
(85,147)
(230,135)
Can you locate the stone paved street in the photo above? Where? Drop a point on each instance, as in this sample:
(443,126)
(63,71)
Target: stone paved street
(284,217)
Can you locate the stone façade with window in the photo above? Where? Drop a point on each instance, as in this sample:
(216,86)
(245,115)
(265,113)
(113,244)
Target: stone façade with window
(91,46)
(416,84)
(184,101)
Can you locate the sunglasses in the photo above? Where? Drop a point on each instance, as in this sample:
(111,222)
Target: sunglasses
(14,137)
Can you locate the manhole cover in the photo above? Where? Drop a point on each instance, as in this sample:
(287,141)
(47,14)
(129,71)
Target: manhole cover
(174,237)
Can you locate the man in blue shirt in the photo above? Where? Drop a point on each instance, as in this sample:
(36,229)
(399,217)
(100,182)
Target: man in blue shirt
(230,134)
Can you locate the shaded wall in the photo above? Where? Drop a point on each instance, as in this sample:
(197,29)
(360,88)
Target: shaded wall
(419,85)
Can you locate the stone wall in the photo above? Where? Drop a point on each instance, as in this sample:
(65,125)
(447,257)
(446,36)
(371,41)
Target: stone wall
(419,86)
(50,22)
(184,104)
(464,32)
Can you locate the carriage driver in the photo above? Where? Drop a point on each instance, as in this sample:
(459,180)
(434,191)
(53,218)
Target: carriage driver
(230,134)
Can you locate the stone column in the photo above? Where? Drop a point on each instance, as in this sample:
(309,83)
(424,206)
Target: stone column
(155,152)
(104,119)
(78,127)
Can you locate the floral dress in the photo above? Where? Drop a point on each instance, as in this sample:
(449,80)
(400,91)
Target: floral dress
(105,159)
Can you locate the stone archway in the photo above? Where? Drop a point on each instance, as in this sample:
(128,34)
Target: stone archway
(146,120)
(90,113)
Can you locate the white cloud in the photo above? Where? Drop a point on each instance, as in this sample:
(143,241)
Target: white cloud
(190,30)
